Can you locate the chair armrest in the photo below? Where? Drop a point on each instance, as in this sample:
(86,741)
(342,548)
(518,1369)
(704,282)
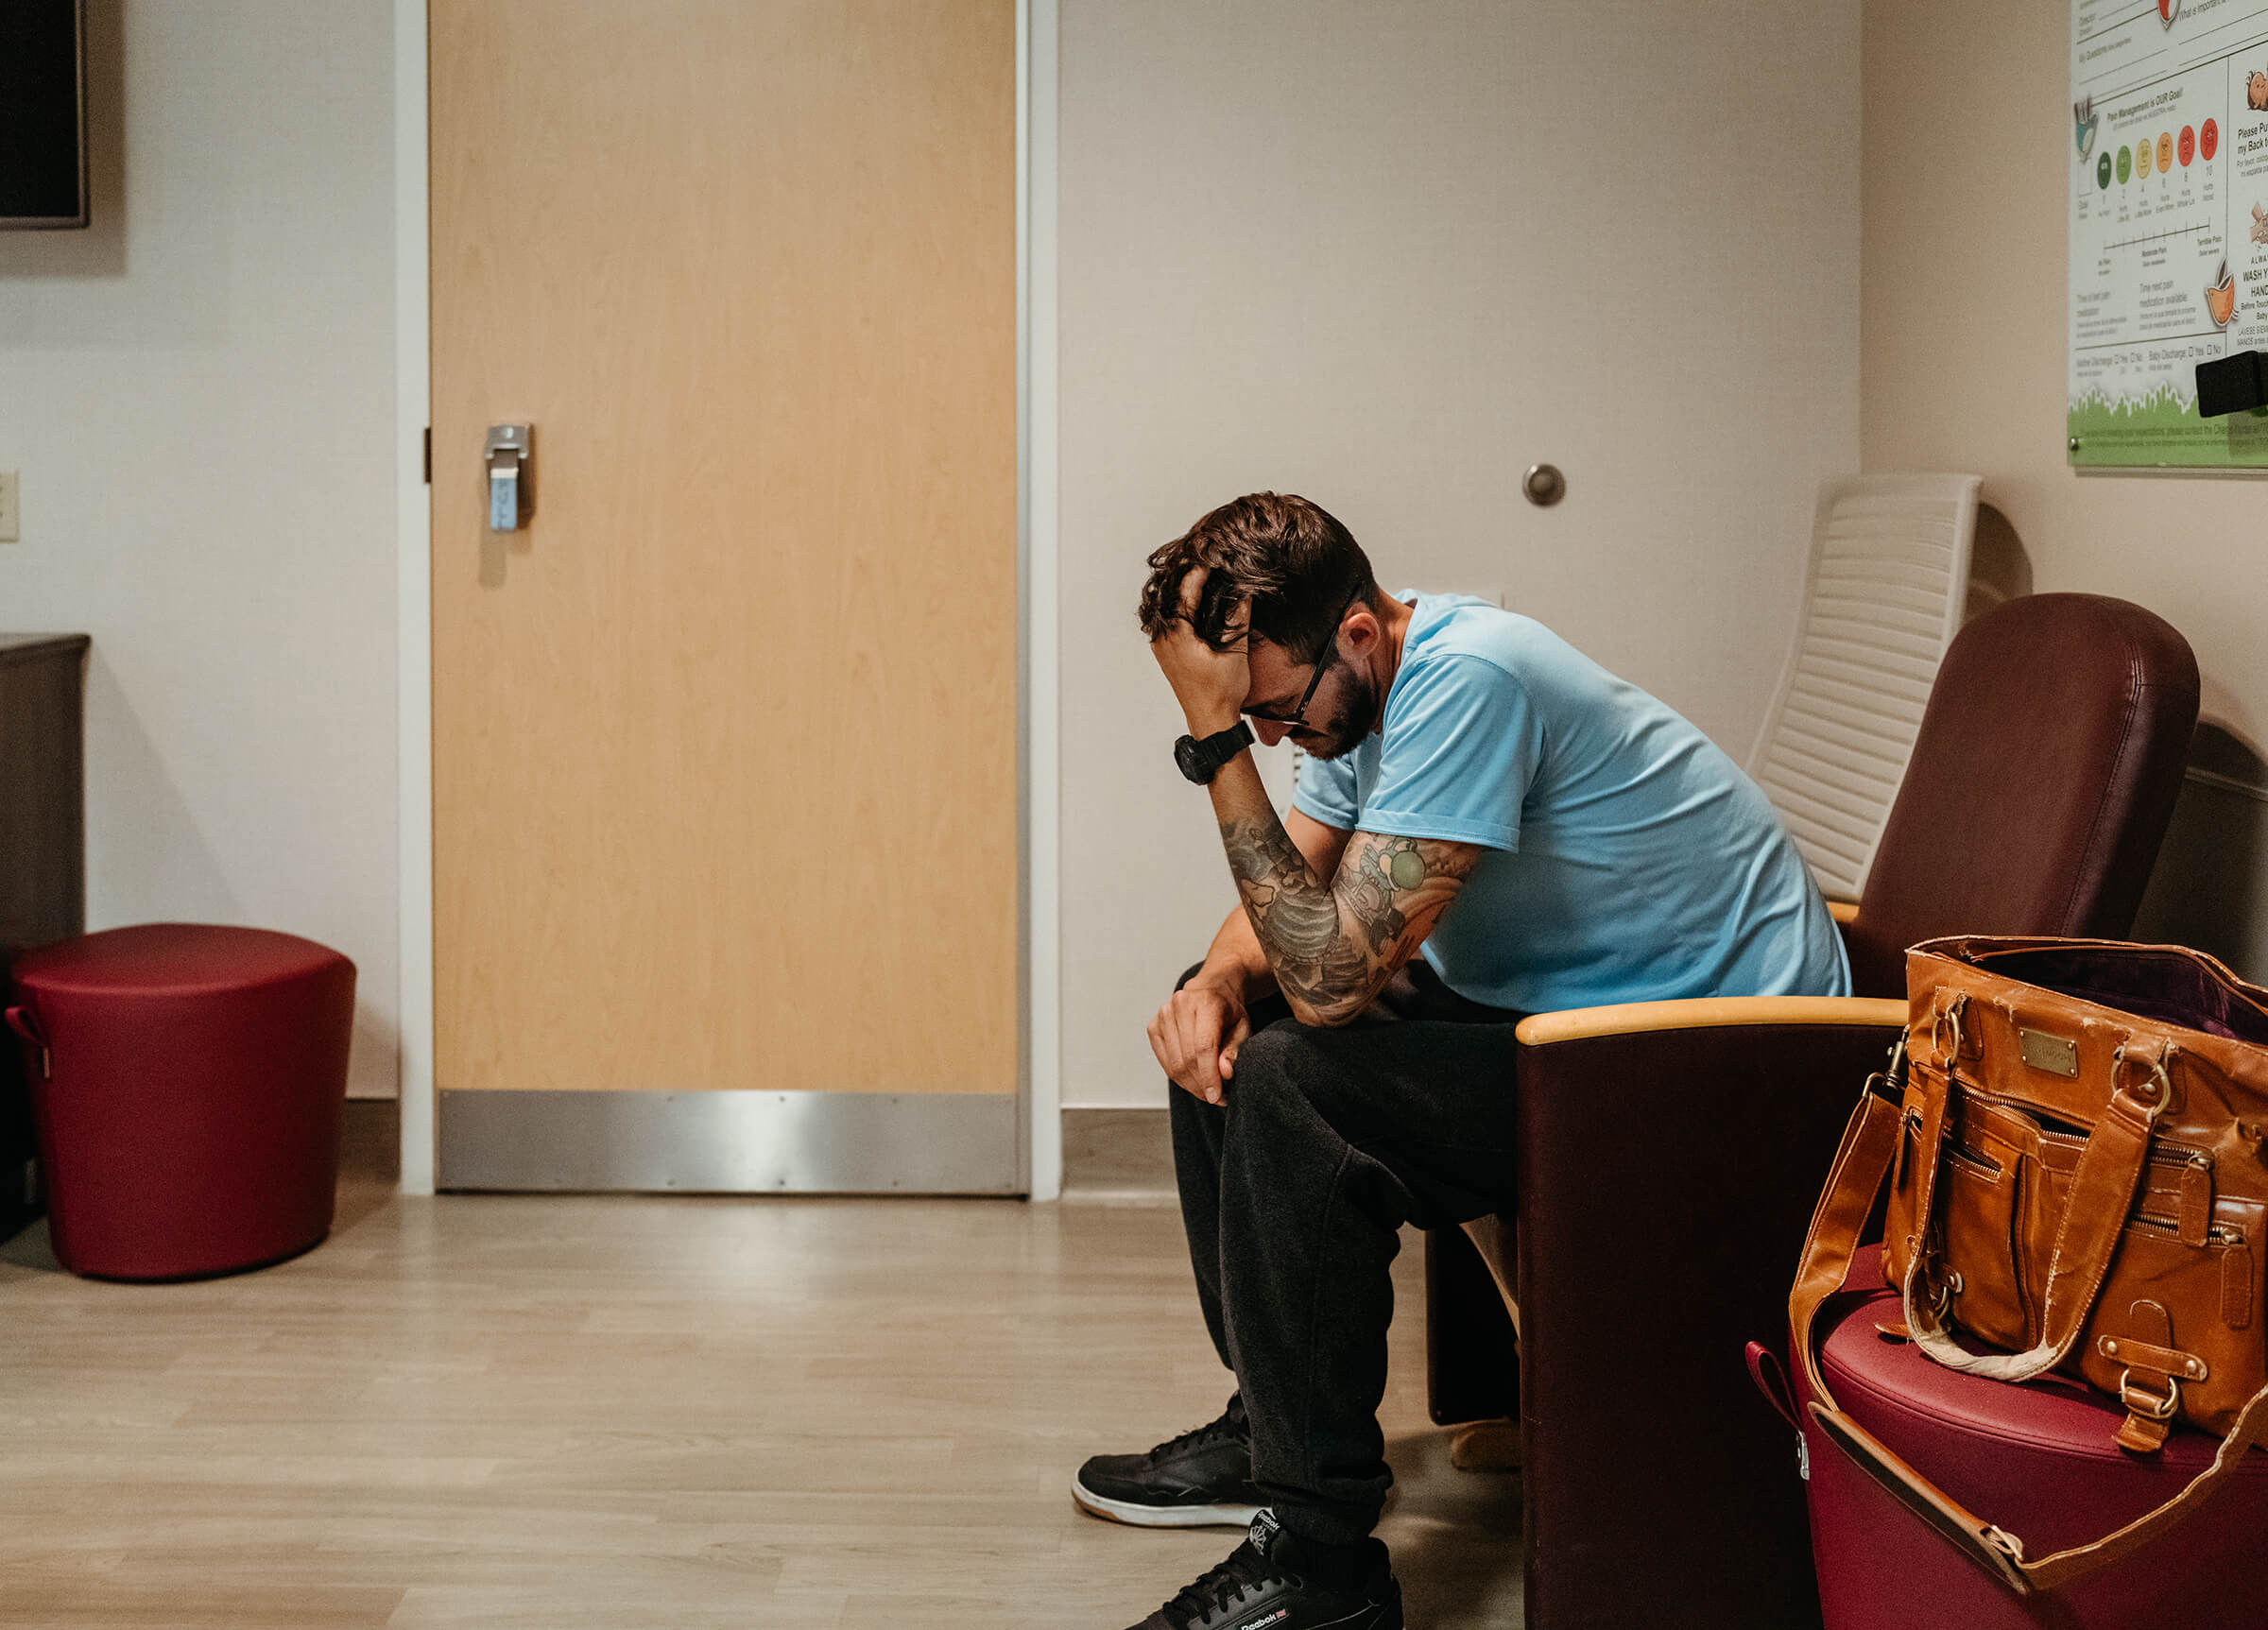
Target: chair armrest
(1708,1013)
(1670,1154)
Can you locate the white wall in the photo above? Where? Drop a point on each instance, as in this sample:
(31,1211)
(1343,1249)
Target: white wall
(1968,144)
(199,394)
(1386,255)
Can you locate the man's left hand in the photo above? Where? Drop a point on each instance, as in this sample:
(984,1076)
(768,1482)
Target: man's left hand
(1211,685)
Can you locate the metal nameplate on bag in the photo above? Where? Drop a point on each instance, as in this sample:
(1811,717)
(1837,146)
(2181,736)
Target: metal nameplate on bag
(2056,1054)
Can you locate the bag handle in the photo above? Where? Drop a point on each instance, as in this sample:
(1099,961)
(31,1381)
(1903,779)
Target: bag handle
(1862,1164)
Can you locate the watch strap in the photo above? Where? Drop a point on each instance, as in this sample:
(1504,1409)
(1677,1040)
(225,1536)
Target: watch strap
(1207,754)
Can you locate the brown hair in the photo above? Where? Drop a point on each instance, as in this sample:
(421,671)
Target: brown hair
(1289,557)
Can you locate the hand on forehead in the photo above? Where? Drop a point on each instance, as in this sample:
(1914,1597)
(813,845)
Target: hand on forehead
(1237,624)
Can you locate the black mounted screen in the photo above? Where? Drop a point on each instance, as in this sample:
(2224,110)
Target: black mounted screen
(43,114)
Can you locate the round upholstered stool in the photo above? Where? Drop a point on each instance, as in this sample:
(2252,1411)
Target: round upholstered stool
(2038,1461)
(188,1083)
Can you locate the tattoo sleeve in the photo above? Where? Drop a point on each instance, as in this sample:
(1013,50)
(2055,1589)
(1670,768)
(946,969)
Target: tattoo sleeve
(1334,942)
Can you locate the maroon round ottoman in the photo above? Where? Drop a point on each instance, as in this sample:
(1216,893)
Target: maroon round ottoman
(2038,1461)
(188,1083)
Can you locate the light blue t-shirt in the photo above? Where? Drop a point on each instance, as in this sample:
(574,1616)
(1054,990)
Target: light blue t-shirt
(1629,859)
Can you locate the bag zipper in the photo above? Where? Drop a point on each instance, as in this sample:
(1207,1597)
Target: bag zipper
(2160,1149)
(2219,1234)
(1981,1163)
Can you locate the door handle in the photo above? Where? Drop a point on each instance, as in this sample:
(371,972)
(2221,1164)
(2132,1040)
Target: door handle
(508,455)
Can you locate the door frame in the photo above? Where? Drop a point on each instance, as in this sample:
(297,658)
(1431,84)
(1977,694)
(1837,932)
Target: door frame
(1039,1157)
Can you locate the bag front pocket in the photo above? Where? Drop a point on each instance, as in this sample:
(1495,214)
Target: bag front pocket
(2195,1300)
(1978,1208)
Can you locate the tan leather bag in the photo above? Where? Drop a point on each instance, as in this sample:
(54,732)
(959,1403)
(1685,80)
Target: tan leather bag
(2072,1134)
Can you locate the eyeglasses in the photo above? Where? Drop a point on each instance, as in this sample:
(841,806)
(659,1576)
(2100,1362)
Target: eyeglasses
(1297,716)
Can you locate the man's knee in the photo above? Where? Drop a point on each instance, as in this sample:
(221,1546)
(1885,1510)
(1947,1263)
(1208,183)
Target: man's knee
(1277,1047)
(1281,1099)
(1282,1060)
(1291,1076)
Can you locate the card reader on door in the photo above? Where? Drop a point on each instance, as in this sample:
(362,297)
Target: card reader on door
(509,449)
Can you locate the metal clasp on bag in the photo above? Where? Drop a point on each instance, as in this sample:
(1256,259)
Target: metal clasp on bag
(1949,1018)
(2140,1401)
(1942,1286)
(2150,1111)
(1889,1082)
(2004,1542)
(1889,1085)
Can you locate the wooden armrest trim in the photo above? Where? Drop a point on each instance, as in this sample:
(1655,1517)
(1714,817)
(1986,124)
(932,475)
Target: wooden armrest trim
(1842,910)
(1708,1013)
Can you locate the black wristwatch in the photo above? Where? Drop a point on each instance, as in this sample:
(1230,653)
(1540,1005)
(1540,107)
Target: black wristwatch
(1200,760)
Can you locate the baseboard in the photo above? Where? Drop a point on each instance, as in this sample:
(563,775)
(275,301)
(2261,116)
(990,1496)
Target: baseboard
(369,1143)
(1117,1153)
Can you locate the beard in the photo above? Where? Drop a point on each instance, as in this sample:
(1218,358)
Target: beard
(1349,720)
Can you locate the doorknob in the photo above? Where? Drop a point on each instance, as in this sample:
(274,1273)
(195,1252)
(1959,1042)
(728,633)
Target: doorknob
(509,451)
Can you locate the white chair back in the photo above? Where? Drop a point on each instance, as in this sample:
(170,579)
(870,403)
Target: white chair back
(1883,599)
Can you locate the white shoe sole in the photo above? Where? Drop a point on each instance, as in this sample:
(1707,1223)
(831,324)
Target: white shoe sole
(1137,1516)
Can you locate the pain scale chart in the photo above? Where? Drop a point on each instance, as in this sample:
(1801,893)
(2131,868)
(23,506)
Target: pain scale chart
(2169,226)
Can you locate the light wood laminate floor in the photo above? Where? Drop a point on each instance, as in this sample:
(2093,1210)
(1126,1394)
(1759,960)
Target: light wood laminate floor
(626,1411)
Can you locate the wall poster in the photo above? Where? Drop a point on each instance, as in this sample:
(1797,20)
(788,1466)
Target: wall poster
(2169,226)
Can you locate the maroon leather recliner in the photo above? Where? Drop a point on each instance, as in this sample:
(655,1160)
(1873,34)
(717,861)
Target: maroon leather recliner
(1671,1152)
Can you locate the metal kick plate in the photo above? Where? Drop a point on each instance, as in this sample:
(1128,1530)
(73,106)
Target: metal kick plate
(730,1143)
(2056,1054)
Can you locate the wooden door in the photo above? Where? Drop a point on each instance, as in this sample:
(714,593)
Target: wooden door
(725,763)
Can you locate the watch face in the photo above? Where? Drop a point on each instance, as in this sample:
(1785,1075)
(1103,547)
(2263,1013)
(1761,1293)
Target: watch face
(1190,757)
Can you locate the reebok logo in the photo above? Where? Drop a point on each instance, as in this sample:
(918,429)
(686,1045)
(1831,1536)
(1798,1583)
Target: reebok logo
(1280,1613)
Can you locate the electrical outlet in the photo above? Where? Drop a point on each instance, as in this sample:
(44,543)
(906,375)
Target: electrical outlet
(8,507)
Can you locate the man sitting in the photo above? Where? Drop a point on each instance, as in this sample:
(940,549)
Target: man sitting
(1488,825)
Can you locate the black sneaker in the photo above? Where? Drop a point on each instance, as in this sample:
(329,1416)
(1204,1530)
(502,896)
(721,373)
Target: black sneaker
(1263,1587)
(1199,1480)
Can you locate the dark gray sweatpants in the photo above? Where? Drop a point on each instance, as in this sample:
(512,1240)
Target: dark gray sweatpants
(1293,1194)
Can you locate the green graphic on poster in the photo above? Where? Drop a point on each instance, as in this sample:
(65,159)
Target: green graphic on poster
(2169,268)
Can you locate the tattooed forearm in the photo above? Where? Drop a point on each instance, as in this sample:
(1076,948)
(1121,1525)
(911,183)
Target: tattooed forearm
(1291,911)
(1334,942)
(1295,915)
